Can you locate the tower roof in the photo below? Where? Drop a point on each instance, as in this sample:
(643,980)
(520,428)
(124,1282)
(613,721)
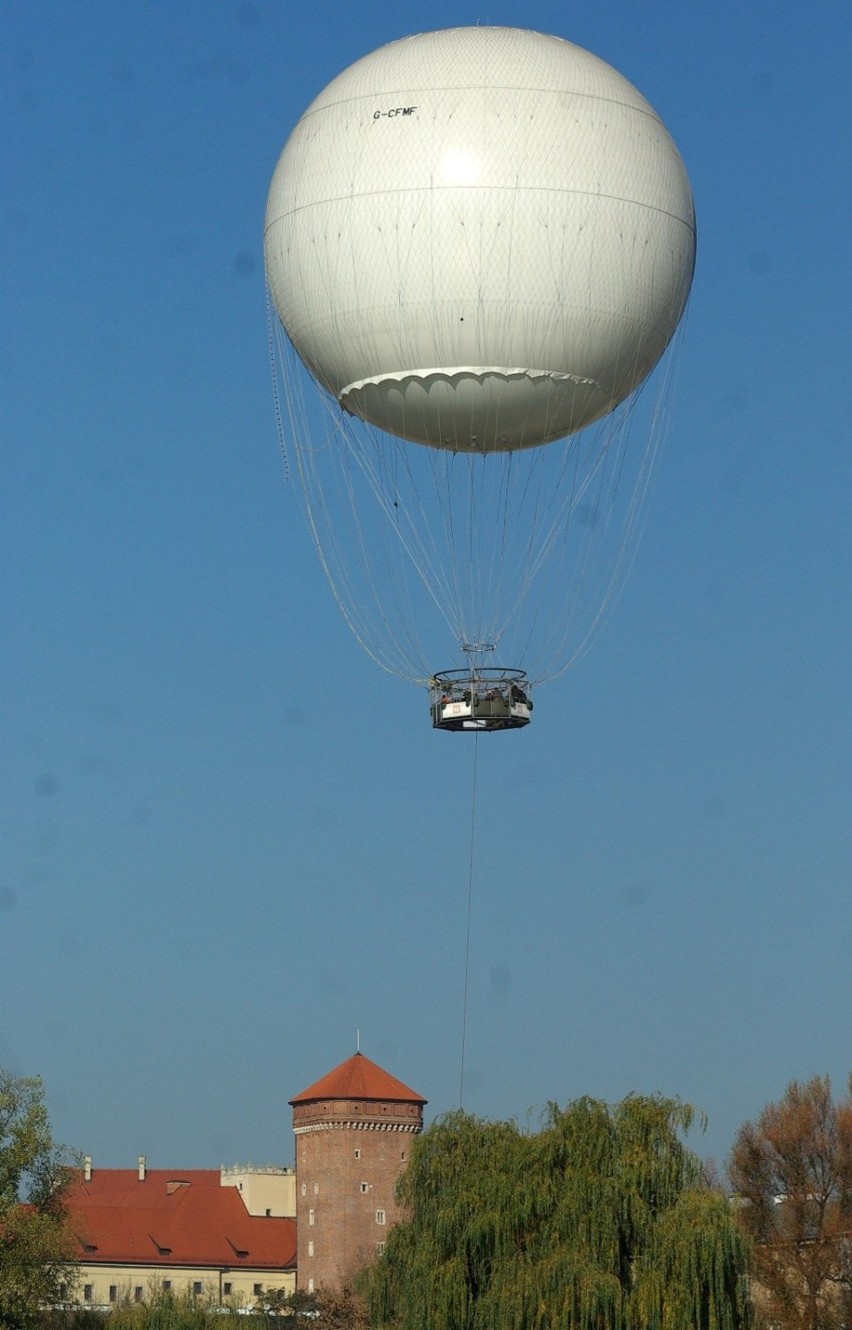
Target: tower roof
(358,1078)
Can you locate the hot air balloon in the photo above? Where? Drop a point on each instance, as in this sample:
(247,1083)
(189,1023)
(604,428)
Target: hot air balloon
(479,243)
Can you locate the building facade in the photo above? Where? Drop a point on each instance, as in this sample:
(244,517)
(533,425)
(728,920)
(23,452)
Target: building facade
(224,1236)
(353,1130)
(227,1236)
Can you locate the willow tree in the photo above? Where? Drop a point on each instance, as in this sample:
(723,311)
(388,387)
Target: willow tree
(601,1220)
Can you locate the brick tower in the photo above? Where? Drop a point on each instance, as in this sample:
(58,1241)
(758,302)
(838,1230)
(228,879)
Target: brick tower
(353,1137)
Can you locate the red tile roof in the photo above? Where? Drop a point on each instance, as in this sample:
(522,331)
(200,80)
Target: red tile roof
(358,1078)
(175,1218)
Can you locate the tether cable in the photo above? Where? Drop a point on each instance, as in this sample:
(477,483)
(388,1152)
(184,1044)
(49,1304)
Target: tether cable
(469,905)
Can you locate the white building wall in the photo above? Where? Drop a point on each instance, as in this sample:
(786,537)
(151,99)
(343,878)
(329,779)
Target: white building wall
(264,1191)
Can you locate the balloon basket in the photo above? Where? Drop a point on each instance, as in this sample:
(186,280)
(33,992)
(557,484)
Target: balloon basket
(472,701)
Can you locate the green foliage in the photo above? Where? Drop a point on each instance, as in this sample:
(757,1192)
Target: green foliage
(78,1319)
(298,1306)
(163,1310)
(170,1311)
(166,1309)
(599,1221)
(337,1308)
(37,1249)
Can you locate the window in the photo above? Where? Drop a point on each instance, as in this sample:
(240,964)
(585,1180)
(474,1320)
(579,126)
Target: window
(258,1289)
(227,1288)
(380,1247)
(310,1286)
(310,1216)
(380,1217)
(357,1153)
(167,1286)
(87,1293)
(113,1293)
(304,1189)
(316,1189)
(402,1155)
(63,1292)
(137,1293)
(365,1187)
(311,1247)
(196,1287)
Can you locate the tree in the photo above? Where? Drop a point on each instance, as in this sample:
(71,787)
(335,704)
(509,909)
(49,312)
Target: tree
(325,1309)
(299,1305)
(37,1248)
(792,1172)
(601,1220)
(340,1308)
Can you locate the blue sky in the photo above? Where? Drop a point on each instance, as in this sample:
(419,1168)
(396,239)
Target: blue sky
(230,841)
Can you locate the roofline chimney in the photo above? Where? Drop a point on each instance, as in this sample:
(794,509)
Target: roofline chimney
(142,1167)
(87,1168)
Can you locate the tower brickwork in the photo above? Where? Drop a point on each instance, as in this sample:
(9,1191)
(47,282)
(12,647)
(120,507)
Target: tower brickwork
(354,1130)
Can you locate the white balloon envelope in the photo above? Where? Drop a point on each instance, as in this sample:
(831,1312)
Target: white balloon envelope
(480,240)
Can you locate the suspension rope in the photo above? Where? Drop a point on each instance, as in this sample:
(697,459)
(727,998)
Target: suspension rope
(426,549)
(469,903)
(271,325)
